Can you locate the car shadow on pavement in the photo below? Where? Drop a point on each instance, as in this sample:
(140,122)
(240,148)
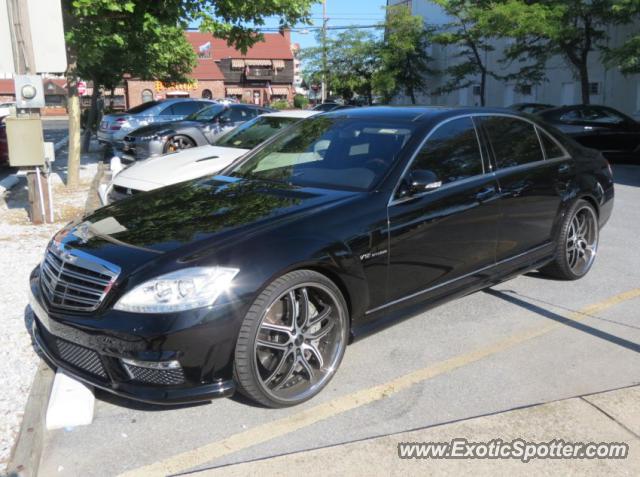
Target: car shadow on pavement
(138,405)
(630,345)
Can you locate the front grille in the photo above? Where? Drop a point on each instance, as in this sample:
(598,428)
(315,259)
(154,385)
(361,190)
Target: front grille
(75,282)
(165,377)
(80,357)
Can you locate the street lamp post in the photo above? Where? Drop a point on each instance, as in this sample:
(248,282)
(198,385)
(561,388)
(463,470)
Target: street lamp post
(324,51)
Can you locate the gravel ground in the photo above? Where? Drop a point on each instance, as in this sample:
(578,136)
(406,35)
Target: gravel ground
(22,246)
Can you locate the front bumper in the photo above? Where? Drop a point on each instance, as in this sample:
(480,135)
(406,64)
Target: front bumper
(91,348)
(137,149)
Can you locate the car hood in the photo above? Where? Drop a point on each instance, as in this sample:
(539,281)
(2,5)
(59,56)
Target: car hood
(178,167)
(213,212)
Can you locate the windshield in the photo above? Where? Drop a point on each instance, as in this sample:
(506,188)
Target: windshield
(206,114)
(143,107)
(337,153)
(252,133)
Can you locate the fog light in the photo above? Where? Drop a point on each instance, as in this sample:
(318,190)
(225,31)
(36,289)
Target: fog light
(165,373)
(152,364)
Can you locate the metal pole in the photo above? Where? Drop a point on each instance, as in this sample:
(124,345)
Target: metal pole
(324,51)
(41,196)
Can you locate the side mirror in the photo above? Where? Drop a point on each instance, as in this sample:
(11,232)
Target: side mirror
(423,181)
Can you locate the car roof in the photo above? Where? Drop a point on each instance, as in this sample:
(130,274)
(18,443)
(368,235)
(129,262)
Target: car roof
(415,113)
(182,100)
(292,113)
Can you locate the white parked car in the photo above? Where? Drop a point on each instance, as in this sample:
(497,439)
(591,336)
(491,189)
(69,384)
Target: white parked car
(5,108)
(192,163)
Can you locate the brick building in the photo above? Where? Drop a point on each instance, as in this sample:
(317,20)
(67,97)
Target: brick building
(55,95)
(263,75)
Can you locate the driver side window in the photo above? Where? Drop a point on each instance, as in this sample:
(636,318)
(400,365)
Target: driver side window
(452,153)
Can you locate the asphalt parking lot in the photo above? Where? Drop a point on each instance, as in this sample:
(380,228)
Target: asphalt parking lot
(527,341)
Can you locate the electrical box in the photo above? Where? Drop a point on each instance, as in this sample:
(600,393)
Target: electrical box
(29,91)
(26,142)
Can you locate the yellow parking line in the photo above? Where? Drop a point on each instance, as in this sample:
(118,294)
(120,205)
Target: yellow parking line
(271,430)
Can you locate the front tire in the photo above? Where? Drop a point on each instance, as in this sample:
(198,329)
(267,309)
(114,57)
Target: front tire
(577,243)
(292,340)
(178,143)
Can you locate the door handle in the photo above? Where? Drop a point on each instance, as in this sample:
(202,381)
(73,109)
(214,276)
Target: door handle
(564,168)
(485,193)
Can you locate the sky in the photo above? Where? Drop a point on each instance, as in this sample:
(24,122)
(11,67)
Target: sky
(340,13)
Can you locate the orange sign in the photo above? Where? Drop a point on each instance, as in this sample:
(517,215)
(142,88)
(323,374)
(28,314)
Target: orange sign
(161,86)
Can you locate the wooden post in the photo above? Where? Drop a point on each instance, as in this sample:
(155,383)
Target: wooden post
(39,205)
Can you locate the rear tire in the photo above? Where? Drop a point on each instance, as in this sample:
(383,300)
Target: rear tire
(292,340)
(577,243)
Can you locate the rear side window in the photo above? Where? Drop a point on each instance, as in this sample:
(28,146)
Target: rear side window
(551,148)
(602,116)
(186,108)
(513,140)
(452,152)
(143,107)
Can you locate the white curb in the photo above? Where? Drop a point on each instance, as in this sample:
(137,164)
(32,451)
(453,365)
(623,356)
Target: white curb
(70,404)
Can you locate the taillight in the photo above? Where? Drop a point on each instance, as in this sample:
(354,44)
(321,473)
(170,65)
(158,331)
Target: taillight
(609,168)
(122,122)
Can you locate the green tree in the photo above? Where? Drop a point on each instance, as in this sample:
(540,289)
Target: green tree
(573,29)
(141,46)
(352,59)
(144,38)
(403,53)
(470,32)
(627,56)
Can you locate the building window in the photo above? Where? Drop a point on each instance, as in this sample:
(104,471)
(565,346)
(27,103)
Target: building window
(55,100)
(206,94)
(476,90)
(526,90)
(594,89)
(147,95)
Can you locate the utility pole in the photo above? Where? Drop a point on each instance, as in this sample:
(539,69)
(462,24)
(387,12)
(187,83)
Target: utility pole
(325,20)
(24,131)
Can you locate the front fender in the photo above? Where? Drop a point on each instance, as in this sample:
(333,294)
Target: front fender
(332,258)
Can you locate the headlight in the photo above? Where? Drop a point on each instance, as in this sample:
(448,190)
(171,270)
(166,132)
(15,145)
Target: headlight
(178,291)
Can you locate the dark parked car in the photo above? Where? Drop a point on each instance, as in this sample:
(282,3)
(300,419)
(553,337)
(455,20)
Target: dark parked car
(4,146)
(198,129)
(531,108)
(613,133)
(114,127)
(326,107)
(255,279)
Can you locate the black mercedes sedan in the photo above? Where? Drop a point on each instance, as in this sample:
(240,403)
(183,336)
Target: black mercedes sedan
(256,279)
(197,129)
(613,133)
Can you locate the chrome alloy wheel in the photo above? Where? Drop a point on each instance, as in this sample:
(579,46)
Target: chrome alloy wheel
(582,241)
(300,342)
(178,143)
